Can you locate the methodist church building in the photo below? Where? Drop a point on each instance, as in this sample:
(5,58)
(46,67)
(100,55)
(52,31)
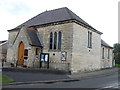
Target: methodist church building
(58,39)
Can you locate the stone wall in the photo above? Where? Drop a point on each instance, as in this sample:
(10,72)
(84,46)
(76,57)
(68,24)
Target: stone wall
(106,62)
(12,54)
(66,45)
(84,58)
(10,50)
(79,57)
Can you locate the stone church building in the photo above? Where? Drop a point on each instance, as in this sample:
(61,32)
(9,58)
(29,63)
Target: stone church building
(58,39)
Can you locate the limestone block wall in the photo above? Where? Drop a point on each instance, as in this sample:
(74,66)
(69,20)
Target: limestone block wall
(12,54)
(84,58)
(36,58)
(106,62)
(66,45)
(10,50)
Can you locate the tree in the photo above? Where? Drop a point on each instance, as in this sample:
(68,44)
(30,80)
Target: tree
(116,52)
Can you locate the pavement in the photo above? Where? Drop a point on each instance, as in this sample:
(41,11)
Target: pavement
(97,73)
(28,76)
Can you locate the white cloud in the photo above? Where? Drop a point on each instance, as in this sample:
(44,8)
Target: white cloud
(101,14)
(14,7)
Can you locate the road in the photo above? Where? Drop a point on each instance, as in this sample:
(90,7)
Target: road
(108,81)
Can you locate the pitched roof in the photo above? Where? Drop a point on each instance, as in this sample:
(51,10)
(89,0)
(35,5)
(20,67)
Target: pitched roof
(33,36)
(53,16)
(1,42)
(3,47)
(105,44)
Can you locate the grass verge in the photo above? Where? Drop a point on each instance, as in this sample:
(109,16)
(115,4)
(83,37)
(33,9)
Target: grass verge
(5,79)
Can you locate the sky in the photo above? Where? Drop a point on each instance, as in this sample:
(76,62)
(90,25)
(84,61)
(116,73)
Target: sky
(100,14)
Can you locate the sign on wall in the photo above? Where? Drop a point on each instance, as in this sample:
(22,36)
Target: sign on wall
(44,57)
(44,60)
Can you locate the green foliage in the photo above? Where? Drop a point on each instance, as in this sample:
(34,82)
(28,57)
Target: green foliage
(5,79)
(117,65)
(116,48)
(116,52)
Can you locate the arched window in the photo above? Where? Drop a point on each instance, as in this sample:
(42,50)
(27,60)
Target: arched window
(59,40)
(55,40)
(51,40)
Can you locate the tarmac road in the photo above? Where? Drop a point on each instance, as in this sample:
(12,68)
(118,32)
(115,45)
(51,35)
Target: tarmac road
(107,81)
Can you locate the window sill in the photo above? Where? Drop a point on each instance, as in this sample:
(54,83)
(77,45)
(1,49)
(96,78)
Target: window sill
(89,47)
(51,50)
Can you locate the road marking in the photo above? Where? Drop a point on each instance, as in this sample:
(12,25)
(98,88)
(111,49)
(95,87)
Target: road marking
(115,85)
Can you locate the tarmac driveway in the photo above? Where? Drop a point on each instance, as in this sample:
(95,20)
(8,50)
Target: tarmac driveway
(20,75)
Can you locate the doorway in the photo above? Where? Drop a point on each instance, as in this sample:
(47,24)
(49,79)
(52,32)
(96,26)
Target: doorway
(20,61)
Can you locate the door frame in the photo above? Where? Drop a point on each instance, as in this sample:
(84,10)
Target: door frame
(22,54)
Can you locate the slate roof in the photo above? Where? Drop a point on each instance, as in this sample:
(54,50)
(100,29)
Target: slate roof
(3,41)
(34,38)
(53,16)
(3,47)
(105,44)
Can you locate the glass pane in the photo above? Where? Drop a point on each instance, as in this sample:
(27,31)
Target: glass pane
(46,58)
(51,40)
(25,52)
(55,40)
(37,51)
(42,57)
(59,40)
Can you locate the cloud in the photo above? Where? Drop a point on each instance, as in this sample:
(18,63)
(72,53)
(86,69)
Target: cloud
(14,7)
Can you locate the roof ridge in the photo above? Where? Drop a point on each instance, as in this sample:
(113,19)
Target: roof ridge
(68,11)
(38,15)
(54,16)
(55,9)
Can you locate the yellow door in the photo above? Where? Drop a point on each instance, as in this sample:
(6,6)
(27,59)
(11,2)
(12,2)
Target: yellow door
(20,54)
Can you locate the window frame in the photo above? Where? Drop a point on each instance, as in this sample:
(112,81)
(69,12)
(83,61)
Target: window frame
(103,53)
(59,40)
(89,39)
(108,53)
(36,51)
(26,54)
(55,41)
(51,41)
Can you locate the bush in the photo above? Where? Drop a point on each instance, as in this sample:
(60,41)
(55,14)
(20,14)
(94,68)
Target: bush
(116,52)
(117,65)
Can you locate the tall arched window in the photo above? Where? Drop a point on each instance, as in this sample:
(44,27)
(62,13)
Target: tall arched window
(59,40)
(55,40)
(51,40)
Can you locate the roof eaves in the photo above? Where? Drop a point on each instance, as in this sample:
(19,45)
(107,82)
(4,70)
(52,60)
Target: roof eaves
(107,46)
(103,43)
(89,27)
(35,45)
(14,29)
